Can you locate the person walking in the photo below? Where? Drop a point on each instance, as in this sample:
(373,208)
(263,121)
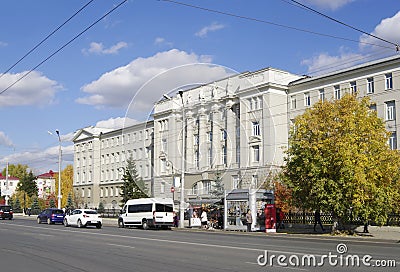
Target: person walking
(249,220)
(204,219)
(317,220)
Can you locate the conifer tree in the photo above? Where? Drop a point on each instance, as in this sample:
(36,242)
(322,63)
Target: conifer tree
(133,186)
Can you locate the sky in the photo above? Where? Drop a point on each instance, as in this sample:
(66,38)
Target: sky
(70,64)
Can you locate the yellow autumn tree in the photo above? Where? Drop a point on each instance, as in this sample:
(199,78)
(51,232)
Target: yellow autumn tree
(67,176)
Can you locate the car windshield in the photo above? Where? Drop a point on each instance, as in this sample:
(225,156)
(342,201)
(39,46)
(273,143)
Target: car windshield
(90,212)
(58,212)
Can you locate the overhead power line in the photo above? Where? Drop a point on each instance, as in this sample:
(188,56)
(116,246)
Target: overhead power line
(345,24)
(271,23)
(46,38)
(62,47)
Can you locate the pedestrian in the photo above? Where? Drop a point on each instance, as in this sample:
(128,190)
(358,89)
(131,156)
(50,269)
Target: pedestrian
(317,219)
(249,220)
(204,219)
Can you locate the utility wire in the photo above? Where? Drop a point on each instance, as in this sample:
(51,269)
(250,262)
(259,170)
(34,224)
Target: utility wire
(62,47)
(272,23)
(347,25)
(46,38)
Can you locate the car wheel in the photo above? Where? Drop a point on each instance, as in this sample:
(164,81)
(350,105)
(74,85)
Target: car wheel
(80,225)
(121,223)
(145,226)
(98,226)
(66,223)
(38,220)
(48,221)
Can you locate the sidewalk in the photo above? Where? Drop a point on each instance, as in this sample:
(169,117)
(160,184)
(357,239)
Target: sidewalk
(385,233)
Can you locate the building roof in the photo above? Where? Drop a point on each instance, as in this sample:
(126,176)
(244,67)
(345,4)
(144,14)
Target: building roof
(9,177)
(48,175)
(307,79)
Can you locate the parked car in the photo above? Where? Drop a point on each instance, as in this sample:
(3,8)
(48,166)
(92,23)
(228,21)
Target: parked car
(51,216)
(6,212)
(83,218)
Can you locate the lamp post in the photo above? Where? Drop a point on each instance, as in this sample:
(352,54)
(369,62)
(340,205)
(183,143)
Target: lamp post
(59,167)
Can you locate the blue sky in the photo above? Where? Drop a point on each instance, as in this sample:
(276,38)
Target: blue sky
(95,78)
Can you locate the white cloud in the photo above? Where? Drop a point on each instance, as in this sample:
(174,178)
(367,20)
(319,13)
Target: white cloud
(98,48)
(4,140)
(121,86)
(325,63)
(34,89)
(3,44)
(328,4)
(387,29)
(41,161)
(162,41)
(116,123)
(202,33)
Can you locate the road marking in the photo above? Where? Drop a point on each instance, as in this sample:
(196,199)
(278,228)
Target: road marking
(120,245)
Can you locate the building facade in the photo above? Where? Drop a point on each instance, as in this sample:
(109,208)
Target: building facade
(100,157)
(236,128)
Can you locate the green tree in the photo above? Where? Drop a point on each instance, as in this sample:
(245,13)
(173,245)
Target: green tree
(133,186)
(339,160)
(17,205)
(101,208)
(218,189)
(70,201)
(52,203)
(28,185)
(18,171)
(35,206)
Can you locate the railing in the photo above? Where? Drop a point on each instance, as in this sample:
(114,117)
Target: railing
(110,213)
(307,218)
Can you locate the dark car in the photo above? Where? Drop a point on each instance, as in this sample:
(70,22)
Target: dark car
(51,216)
(6,212)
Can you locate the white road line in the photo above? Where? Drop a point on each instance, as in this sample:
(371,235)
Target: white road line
(120,245)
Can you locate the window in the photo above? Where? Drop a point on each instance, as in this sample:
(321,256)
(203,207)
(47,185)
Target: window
(390,110)
(196,139)
(162,189)
(223,155)
(89,192)
(307,99)
(256,153)
(370,85)
(337,94)
(210,136)
(83,192)
(209,156)
(206,187)
(292,102)
(393,141)
(321,93)
(388,81)
(256,128)
(163,165)
(254,181)
(372,107)
(235,182)
(223,134)
(196,159)
(195,189)
(353,87)
(164,145)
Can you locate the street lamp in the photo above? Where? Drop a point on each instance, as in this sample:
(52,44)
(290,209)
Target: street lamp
(182,195)
(59,168)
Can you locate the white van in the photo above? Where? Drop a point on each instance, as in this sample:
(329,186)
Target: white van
(147,212)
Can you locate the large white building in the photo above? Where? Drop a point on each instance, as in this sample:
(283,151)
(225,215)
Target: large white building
(237,127)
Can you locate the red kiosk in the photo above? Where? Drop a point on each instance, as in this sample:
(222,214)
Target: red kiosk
(270,218)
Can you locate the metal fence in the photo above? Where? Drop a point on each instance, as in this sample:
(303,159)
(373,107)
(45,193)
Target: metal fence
(110,213)
(307,218)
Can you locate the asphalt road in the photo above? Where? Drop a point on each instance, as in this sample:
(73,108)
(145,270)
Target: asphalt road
(28,246)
